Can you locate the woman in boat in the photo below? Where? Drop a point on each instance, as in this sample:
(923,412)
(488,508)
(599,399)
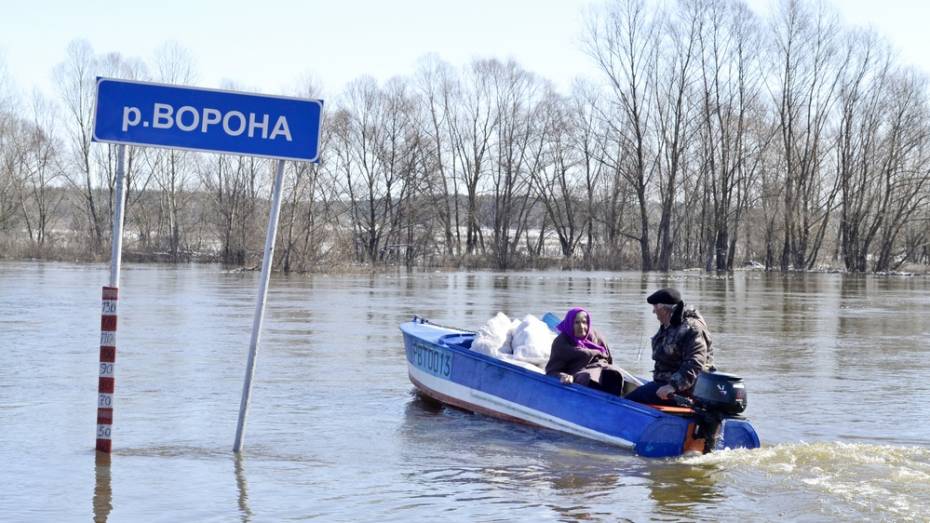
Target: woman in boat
(580,356)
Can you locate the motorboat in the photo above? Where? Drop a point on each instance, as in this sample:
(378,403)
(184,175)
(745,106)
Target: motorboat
(442,366)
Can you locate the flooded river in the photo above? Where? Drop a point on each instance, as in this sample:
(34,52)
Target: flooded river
(837,368)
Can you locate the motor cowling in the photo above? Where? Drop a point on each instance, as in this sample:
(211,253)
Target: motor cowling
(720,392)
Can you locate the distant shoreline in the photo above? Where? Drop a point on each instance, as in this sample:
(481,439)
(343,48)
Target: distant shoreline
(364,268)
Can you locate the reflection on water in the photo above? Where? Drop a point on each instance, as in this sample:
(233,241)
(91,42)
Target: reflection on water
(541,461)
(242,487)
(103,492)
(335,434)
(479,458)
(677,488)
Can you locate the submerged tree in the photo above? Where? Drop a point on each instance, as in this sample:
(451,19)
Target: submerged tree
(623,43)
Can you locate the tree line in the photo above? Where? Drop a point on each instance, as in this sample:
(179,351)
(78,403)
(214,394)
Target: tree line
(710,137)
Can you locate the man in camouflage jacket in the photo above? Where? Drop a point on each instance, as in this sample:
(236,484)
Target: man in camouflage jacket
(681,349)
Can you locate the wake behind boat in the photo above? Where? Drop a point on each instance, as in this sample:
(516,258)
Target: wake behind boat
(442,366)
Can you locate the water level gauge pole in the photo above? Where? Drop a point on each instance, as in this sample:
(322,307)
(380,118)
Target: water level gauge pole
(267,259)
(106,383)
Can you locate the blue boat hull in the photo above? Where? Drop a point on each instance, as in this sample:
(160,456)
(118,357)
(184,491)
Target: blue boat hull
(441,366)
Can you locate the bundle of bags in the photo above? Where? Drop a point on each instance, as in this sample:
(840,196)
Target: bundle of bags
(525,343)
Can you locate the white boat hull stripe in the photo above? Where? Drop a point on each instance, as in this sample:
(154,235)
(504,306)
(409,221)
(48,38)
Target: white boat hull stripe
(508,408)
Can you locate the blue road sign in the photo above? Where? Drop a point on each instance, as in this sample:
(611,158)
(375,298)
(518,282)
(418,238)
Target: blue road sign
(159,115)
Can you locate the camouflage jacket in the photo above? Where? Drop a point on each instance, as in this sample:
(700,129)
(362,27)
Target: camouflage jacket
(682,350)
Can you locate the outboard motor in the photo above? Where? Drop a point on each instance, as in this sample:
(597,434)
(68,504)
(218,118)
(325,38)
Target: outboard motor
(716,396)
(716,391)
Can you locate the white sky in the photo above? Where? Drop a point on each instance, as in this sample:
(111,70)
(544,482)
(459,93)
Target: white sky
(269,45)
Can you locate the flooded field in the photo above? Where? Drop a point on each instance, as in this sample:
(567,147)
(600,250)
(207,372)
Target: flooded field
(836,367)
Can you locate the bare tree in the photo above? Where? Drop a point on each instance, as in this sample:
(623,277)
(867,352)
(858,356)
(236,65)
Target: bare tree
(402,148)
(805,40)
(9,184)
(675,74)
(587,139)
(39,151)
(622,41)
(307,205)
(234,184)
(906,172)
(472,131)
(378,141)
(172,169)
(860,97)
(555,183)
(730,85)
(882,159)
(439,88)
(359,140)
(618,206)
(135,180)
(75,77)
(10,167)
(709,138)
(516,154)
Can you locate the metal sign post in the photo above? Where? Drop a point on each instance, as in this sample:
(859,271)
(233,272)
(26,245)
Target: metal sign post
(176,117)
(116,248)
(260,304)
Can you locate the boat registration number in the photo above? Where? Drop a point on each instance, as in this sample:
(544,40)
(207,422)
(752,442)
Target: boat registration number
(435,361)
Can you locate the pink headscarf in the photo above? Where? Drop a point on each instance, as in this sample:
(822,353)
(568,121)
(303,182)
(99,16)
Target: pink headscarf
(567,327)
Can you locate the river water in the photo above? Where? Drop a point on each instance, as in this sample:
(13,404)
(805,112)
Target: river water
(836,367)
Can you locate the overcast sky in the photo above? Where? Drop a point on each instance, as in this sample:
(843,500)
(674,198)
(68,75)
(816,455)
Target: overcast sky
(268,46)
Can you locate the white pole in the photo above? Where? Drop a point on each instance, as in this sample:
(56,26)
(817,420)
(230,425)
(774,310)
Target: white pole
(260,304)
(117,237)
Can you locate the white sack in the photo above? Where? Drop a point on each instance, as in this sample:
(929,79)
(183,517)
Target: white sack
(493,337)
(532,341)
(507,348)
